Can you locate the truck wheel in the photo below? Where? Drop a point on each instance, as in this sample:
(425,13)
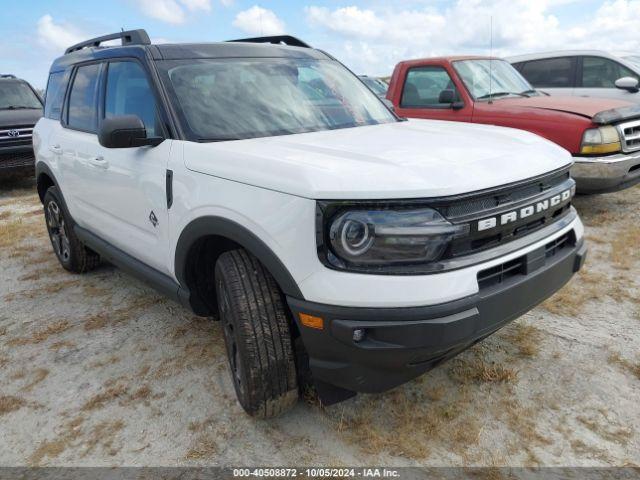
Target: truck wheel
(71,252)
(256,332)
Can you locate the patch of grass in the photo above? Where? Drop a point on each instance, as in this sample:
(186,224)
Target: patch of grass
(478,370)
(573,298)
(526,338)
(48,448)
(38,375)
(54,448)
(607,430)
(6,214)
(99,400)
(104,435)
(10,403)
(631,367)
(624,247)
(41,335)
(204,447)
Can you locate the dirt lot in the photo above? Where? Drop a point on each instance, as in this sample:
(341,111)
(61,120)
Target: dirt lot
(99,370)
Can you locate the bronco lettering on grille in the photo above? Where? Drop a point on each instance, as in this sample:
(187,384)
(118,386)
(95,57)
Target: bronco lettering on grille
(524,212)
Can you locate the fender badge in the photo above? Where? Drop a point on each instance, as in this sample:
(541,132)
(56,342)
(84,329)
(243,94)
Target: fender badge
(153,219)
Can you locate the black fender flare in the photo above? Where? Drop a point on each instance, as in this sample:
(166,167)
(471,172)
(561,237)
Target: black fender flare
(41,168)
(223,227)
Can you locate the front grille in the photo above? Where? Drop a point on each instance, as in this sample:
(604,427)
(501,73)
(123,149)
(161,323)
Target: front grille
(16,136)
(499,274)
(501,198)
(14,160)
(495,203)
(630,133)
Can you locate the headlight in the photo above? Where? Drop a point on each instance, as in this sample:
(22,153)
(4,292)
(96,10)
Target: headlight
(600,140)
(383,237)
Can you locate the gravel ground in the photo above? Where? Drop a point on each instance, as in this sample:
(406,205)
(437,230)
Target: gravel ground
(99,370)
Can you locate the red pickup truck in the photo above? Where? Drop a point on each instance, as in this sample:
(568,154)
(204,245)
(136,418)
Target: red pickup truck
(603,135)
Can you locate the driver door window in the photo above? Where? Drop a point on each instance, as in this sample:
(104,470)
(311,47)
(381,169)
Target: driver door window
(423,85)
(129,93)
(600,72)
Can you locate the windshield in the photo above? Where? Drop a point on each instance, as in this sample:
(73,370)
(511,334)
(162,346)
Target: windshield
(378,87)
(495,77)
(17,95)
(230,99)
(634,60)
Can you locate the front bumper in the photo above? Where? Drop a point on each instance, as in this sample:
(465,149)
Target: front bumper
(402,343)
(606,174)
(17,158)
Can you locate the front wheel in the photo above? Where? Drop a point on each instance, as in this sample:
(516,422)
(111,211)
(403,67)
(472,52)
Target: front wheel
(70,251)
(257,335)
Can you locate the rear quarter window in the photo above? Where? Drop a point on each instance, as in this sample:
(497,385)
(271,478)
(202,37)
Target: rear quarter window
(54,96)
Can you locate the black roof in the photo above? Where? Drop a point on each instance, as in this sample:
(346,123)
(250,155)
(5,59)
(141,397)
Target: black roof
(135,44)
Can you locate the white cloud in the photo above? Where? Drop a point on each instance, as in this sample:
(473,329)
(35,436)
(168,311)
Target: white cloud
(374,39)
(259,21)
(172,11)
(227,3)
(57,36)
(194,5)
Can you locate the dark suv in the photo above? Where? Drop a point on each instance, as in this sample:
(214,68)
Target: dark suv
(20,109)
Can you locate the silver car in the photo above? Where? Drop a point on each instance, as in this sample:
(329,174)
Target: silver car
(584,73)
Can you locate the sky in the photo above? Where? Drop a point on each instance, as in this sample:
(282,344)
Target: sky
(370,37)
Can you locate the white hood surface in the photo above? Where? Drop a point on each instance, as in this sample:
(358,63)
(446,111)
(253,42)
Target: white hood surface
(412,159)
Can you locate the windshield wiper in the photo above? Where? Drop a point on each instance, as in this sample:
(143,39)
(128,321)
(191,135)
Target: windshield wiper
(500,94)
(529,92)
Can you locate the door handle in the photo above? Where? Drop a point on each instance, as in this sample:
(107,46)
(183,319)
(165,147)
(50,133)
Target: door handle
(99,162)
(56,149)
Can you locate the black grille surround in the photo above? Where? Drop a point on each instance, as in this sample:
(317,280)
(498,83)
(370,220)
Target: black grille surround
(467,209)
(504,272)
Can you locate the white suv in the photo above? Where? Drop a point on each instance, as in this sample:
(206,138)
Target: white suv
(266,184)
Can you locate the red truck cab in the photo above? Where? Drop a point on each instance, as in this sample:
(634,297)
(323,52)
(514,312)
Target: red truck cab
(603,135)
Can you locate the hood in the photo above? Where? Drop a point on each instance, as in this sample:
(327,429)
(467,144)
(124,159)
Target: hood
(412,159)
(584,106)
(13,118)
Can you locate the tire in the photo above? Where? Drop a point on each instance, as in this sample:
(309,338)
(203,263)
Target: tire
(257,335)
(70,251)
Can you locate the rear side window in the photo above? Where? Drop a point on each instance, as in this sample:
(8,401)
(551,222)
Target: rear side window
(423,86)
(598,72)
(83,99)
(549,73)
(54,95)
(129,93)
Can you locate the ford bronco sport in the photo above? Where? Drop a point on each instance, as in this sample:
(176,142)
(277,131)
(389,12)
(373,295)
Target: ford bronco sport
(20,109)
(265,183)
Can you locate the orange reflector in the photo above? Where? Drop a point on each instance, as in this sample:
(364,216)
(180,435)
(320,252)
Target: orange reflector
(311,321)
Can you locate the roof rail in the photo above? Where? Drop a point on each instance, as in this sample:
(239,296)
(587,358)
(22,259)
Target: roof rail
(276,39)
(7,75)
(130,37)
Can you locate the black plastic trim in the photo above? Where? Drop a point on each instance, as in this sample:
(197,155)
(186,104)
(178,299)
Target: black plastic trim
(169,187)
(159,281)
(209,225)
(130,37)
(400,344)
(276,40)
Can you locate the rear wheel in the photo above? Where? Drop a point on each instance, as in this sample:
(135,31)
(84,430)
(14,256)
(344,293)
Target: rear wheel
(257,335)
(71,252)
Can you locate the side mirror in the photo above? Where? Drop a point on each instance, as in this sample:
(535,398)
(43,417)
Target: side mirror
(629,84)
(125,131)
(449,96)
